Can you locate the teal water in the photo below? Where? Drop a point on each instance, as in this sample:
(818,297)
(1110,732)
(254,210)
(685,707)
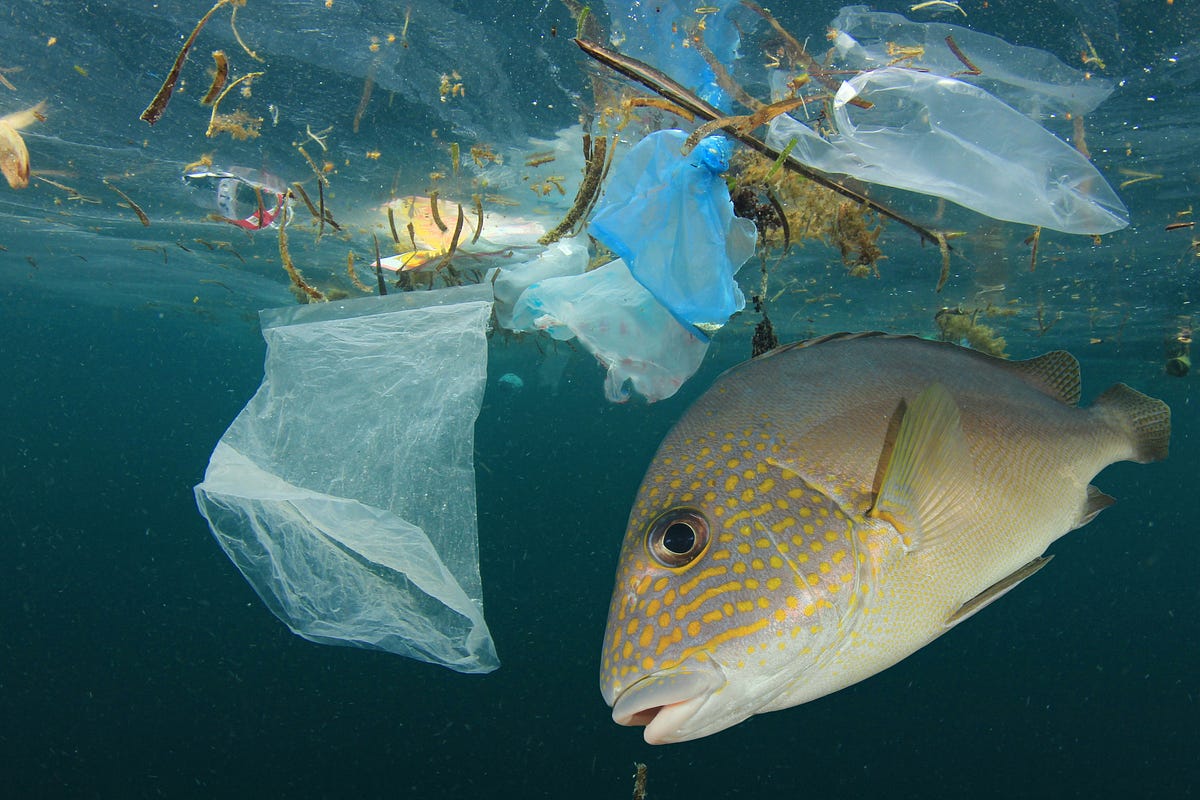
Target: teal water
(136,661)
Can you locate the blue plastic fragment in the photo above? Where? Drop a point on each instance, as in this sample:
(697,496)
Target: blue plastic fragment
(658,34)
(670,218)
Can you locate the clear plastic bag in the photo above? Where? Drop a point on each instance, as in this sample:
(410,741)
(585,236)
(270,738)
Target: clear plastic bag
(1034,82)
(942,137)
(619,322)
(345,490)
(669,217)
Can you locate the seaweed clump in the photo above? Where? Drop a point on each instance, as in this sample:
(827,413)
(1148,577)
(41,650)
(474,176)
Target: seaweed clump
(956,325)
(800,209)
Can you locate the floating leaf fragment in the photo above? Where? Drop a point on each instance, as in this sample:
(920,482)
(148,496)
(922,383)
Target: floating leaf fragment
(14,156)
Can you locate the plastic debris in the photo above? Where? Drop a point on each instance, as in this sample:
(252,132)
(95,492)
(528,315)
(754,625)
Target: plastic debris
(1034,82)
(619,322)
(511,381)
(248,198)
(669,217)
(658,33)
(564,257)
(940,136)
(345,490)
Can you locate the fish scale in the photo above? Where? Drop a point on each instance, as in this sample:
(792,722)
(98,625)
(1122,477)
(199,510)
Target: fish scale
(830,507)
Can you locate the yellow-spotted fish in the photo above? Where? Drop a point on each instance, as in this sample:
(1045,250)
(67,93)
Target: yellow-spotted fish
(832,506)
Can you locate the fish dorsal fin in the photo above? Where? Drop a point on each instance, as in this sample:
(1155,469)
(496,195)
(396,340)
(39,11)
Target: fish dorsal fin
(1055,374)
(929,474)
(996,591)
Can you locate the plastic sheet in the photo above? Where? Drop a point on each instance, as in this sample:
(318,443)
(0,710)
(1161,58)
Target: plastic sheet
(669,217)
(620,323)
(345,490)
(1033,81)
(942,137)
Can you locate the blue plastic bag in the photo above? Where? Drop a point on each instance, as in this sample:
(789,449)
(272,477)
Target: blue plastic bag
(669,217)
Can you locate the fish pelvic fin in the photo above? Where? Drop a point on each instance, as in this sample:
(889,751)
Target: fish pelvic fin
(1147,421)
(1096,502)
(929,472)
(996,591)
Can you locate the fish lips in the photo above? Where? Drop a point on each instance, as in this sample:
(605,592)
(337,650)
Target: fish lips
(667,703)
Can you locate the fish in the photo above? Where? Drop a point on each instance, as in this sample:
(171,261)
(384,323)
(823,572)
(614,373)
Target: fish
(830,507)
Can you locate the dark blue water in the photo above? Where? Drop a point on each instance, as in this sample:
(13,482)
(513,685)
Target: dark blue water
(136,662)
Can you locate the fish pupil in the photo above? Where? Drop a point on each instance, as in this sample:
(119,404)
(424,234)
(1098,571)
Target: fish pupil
(679,538)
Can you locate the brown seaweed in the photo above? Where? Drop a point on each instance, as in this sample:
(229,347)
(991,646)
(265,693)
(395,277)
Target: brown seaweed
(141,215)
(159,104)
(220,76)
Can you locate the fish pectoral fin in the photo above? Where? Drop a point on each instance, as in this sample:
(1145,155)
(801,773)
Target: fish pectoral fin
(929,473)
(996,591)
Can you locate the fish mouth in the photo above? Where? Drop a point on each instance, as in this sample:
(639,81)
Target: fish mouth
(665,702)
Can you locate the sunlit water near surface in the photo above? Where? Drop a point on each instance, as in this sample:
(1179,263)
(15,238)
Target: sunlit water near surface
(135,660)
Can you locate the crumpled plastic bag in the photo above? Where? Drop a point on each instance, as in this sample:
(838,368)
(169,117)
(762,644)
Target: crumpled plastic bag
(564,257)
(942,137)
(345,490)
(1034,82)
(619,322)
(669,217)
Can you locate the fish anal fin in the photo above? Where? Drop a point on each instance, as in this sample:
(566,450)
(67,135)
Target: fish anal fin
(996,591)
(1096,502)
(1055,373)
(929,474)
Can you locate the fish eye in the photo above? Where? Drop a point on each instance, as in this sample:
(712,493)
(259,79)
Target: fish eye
(677,537)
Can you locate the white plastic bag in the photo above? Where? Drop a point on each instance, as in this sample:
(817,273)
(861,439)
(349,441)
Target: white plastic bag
(619,322)
(345,490)
(942,137)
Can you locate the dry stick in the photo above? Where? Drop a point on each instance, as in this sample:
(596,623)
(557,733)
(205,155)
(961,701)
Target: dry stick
(666,87)
(159,104)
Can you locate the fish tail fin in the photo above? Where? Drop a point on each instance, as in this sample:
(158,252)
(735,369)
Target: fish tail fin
(1146,420)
